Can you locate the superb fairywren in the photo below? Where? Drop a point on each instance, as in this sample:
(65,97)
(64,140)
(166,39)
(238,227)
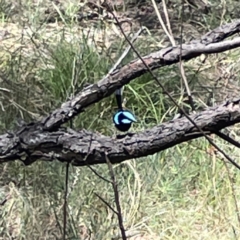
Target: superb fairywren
(122,119)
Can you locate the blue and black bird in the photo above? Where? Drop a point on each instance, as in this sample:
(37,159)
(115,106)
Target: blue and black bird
(122,119)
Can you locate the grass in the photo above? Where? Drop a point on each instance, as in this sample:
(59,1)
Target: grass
(186,192)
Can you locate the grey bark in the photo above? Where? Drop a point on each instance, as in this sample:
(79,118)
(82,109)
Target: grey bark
(47,140)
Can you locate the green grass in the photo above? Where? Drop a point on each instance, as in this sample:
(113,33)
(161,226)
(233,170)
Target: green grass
(182,193)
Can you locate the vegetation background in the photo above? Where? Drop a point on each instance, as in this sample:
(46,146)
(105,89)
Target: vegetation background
(51,49)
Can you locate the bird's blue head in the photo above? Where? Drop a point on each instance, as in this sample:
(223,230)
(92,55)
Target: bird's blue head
(123,120)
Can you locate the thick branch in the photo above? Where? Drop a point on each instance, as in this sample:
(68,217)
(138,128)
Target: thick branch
(83,147)
(209,43)
(38,140)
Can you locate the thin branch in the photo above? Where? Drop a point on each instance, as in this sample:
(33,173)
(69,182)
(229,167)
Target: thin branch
(173,42)
(234,198)
(228,139)
(167,31)
(65,203)
(125,53)
(106,203)
(116,198)
(97,174)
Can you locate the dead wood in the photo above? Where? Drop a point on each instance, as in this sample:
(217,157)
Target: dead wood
(47,140)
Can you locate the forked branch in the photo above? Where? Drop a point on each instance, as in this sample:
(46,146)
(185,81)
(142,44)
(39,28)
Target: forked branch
(46,139)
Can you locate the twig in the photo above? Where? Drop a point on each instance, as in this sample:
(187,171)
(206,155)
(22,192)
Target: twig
(97,174)
(162,23)
(105,202)
(117,64)
(173,42)
(65,202)
(228,139)
(124,54)
(116,197)
(234,199)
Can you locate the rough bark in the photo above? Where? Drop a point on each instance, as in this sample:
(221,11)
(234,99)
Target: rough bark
(81,148)
(209,43)
(46,139)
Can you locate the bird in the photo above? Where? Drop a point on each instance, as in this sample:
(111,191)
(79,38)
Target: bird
(122,119)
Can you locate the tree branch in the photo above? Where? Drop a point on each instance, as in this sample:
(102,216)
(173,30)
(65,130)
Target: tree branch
(209,43)
(47,141)
(86,148)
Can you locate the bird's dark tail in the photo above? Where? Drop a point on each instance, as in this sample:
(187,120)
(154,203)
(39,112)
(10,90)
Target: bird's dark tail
(118,94)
